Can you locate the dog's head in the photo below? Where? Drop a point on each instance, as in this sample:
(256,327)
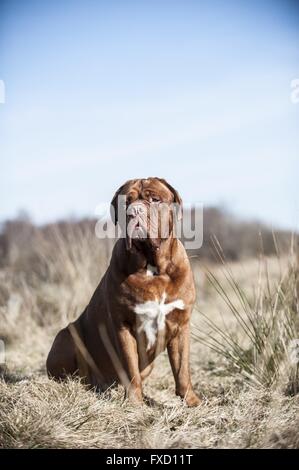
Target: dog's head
(146,210)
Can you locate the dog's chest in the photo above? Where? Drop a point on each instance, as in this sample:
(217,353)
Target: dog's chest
(152,314)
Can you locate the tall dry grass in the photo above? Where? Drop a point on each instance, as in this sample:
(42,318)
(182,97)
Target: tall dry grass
(46,279)
(260,348)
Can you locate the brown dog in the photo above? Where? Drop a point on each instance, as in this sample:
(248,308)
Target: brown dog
(142,305)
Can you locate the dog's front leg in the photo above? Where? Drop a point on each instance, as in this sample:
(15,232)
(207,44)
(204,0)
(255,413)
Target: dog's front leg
(132,381)
(178,352)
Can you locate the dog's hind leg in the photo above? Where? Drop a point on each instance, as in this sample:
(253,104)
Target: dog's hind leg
(62,360)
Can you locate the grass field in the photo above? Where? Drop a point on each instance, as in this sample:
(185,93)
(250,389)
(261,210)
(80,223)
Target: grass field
(242,327)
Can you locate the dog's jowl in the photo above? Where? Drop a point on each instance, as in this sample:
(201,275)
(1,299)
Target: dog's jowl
(142,305)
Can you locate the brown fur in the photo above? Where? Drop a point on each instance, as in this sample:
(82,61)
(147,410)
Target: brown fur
(103,345)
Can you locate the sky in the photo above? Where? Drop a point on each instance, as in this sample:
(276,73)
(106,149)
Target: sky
(197,92)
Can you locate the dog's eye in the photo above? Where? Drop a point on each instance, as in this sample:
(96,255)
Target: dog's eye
(155,199)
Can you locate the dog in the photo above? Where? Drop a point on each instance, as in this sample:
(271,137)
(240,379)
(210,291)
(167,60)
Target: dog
(142,305)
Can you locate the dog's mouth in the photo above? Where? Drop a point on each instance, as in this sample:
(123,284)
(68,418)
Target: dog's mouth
(137,223)
(146,227)
(141,238)
(136,232)
(136,229)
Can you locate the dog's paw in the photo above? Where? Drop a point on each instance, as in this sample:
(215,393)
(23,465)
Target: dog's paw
(191,399)
(134,395)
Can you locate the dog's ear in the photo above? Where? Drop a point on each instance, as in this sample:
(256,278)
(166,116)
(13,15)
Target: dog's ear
(114,203)
(176,197)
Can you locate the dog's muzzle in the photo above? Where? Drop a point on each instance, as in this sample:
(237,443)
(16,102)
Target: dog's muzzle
(137,222)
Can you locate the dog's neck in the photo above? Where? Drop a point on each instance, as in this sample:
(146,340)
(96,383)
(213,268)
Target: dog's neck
(149,257)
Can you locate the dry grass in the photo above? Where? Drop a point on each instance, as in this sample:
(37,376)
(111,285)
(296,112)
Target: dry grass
(37,299)
(258,345)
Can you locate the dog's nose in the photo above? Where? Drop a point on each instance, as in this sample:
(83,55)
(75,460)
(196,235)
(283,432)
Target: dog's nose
(136,209)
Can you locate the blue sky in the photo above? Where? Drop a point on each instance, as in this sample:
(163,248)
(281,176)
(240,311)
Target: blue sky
(98,92)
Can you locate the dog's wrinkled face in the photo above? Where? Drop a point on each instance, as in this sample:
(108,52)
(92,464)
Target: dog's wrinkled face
(148,208)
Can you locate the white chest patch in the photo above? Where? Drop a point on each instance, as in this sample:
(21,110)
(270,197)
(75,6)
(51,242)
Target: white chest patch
(152,315)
